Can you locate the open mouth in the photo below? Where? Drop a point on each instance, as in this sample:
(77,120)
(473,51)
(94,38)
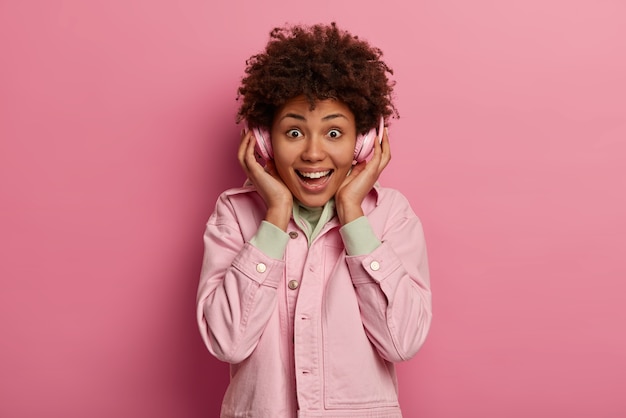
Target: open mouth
(314,178)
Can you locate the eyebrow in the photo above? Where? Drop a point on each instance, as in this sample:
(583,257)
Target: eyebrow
(302,118)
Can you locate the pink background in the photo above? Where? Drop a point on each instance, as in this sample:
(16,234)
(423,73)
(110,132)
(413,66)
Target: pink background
(117,135)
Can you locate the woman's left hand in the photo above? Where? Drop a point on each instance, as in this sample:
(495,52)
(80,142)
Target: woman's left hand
(360,181)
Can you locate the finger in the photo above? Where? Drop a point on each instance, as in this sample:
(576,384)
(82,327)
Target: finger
(243,144)
(356,169)
(375,155)
(385,149)
(245,153)
(250,156)
(354,172)
(374,164)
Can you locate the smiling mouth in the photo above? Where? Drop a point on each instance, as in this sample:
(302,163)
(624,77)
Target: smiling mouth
(314,178)
(313,175)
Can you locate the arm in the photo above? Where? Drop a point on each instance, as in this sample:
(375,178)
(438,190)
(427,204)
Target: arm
(390,277)
(236,294)
(237,291)
(392,285)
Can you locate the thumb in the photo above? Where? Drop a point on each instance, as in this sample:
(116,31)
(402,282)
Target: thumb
(356,169)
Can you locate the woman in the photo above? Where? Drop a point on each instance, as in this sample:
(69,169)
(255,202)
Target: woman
(315,279)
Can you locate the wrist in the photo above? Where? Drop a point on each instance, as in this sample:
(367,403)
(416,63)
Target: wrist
(279,216)
(348,213)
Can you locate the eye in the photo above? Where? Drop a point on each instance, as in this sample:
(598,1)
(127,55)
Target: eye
(294,133)
(334,133)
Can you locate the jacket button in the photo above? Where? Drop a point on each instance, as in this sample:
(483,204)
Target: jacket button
(261,268)
(293,284)
(374,265)
(293,235)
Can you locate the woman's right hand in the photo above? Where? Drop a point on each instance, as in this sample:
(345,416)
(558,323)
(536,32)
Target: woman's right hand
(268,183)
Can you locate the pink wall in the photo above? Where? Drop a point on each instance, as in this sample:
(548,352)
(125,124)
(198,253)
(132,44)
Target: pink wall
(117,135)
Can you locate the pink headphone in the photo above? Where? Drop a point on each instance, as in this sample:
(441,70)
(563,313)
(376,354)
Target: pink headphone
(362,150)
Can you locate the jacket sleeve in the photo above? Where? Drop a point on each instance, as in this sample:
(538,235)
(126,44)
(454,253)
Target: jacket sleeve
(237,289)
(392,285)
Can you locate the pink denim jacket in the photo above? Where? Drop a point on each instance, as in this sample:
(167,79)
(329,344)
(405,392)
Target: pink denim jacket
(316,333)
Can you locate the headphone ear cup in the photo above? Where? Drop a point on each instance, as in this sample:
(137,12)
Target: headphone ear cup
(364,146)
(263,144)
(358,148)
(365,143)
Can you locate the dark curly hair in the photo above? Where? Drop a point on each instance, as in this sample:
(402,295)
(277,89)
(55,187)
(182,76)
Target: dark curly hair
(320,62)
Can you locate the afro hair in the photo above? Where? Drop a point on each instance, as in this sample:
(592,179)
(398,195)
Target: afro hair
(320,62)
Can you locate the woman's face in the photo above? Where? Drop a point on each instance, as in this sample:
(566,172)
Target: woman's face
(313,149)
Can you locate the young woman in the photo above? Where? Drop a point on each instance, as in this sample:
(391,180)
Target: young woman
(315,279)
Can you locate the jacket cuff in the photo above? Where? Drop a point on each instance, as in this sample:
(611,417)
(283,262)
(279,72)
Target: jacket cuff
(374,267)
(270,239)
(253,263)
(359,237)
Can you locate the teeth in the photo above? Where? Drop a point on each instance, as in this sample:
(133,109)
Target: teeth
(316,175)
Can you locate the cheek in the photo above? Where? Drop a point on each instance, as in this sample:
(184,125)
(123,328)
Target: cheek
(282,166)
(345,156)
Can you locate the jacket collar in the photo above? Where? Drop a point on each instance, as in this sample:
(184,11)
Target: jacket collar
(369,203)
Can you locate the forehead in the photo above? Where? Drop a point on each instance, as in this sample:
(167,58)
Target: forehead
(300,106)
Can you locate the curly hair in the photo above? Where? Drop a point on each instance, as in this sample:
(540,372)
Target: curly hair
(320,62)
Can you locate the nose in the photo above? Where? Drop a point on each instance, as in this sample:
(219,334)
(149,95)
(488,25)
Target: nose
(314,149)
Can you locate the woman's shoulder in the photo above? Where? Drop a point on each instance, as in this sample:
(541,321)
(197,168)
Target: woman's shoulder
(392,200)
(243,197)
(243,190)
(388,195)
(238,202)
